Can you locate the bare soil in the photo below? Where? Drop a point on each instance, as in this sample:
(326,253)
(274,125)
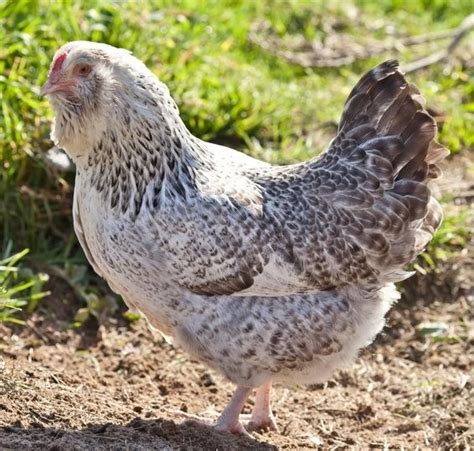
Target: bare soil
(115,385)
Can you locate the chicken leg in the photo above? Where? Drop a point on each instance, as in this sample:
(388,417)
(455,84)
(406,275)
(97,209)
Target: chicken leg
(262,418)
(228,421)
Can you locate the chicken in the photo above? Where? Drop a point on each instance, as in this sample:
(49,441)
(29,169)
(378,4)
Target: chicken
(268,274)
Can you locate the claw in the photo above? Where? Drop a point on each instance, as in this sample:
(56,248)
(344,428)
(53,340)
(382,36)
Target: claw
(232,428)
(262,425)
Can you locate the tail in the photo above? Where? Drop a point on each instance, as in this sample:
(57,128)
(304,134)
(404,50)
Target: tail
(386,119)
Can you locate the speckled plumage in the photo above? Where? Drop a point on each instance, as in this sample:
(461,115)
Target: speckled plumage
(266,273)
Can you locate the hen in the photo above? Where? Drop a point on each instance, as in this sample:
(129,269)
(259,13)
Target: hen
(265,273)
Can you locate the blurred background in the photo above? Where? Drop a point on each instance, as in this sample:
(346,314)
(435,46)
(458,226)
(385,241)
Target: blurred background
(266,77)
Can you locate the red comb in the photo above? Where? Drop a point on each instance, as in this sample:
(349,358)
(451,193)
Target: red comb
(59,62)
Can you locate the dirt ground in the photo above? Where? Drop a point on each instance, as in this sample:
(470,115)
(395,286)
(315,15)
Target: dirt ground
(117,386)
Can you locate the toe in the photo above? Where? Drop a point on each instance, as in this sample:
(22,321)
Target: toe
(234,428)
(262,425)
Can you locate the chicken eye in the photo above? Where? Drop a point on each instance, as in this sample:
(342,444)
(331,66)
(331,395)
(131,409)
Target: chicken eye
(84,69)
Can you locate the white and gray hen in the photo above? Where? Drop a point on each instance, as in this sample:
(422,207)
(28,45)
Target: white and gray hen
(265,273)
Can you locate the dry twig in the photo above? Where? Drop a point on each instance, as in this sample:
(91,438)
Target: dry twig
(339,49)
(457,35)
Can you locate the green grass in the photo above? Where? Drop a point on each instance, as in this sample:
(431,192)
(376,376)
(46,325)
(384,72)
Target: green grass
(227,89)
(19,287)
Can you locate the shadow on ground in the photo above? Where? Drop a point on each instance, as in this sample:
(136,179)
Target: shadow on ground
(138,434)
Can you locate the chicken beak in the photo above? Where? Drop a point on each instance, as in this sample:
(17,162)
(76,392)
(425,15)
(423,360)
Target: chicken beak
(56,83)
(48,88)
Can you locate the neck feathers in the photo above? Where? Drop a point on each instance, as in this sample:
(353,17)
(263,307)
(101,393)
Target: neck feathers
(134,148)
(133,165)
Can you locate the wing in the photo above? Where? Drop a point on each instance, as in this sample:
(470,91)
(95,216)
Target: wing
(356,215)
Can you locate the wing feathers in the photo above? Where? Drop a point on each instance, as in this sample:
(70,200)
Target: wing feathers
(356,215)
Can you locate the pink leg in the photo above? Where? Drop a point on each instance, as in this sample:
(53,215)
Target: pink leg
(262,418)
(228,421)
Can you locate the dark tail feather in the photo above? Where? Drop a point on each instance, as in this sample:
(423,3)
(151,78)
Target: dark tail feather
(384,102)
